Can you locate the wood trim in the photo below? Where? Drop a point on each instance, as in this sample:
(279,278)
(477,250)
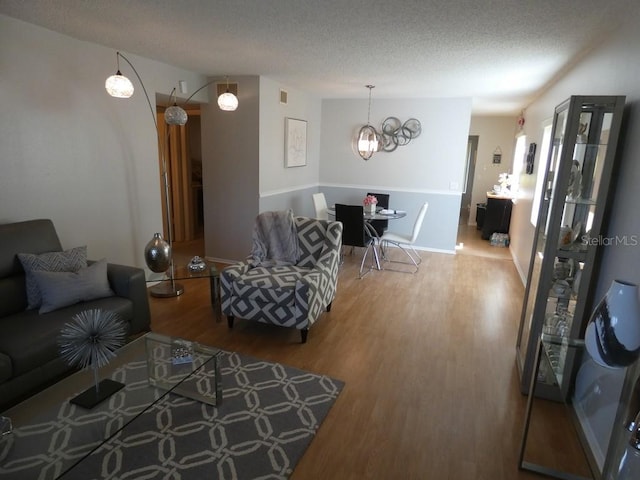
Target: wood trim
(176,148)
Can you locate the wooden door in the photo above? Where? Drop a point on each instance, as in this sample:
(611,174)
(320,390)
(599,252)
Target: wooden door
(175,146)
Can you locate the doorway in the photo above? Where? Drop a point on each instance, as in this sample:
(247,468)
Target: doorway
(183,152)
(469,174)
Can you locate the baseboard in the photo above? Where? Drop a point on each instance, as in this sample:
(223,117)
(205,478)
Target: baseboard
(521,273)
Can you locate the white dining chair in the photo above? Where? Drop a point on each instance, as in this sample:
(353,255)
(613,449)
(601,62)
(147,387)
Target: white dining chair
(405,242)
(320,204)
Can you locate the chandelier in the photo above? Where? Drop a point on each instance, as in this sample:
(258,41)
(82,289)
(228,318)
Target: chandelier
(368,141)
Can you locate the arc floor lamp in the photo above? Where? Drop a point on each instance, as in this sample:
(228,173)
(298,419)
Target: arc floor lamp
(158,253)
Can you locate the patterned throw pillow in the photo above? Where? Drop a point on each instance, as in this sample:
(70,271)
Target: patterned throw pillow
(70,260)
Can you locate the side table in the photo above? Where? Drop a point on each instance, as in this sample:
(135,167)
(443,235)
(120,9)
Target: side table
(183,273)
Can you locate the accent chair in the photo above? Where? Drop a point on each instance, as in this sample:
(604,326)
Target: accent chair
(287,295)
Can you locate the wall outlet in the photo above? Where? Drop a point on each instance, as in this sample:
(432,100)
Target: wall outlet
(454,186)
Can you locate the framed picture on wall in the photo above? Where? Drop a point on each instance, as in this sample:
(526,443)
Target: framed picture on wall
(295,142)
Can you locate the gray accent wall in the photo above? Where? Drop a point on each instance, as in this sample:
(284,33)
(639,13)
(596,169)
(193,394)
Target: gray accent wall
(230,172)
(438,231)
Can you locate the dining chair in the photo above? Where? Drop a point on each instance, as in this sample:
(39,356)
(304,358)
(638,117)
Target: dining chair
(380,225)
(320,204)
(405,242)
(356,232)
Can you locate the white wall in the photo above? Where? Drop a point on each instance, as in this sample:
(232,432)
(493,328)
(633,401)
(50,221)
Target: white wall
(274,177)
(281,187)
(72,153)
(613,68)
(430,168)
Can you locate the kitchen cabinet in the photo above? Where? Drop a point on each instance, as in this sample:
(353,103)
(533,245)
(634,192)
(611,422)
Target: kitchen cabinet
(497,215)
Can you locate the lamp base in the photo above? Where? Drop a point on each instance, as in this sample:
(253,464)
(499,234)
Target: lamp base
(166,290)
(92,397)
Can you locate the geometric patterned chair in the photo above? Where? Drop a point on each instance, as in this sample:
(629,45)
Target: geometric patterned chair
(287,295)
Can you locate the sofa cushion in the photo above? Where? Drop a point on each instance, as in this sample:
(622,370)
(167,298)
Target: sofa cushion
(5,367)
(61,289)
(70,260)
(270,285)
(14,296)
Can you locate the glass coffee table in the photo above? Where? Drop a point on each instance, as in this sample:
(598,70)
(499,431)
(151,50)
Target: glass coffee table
(51,436)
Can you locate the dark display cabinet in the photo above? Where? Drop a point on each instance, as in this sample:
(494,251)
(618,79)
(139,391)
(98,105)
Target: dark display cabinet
(497,217)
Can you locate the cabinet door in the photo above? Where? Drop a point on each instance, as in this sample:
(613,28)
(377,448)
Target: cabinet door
(497,217)
(558,297)
(528,333)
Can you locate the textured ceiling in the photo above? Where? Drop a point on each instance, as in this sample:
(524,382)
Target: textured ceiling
(501,53)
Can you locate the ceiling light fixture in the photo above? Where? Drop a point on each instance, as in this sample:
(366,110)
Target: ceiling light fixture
(368,140)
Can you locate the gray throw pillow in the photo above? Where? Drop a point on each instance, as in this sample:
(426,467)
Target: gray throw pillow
(61,289)
(70,260)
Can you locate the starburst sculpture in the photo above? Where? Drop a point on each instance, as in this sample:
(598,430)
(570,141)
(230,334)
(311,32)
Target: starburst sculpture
(90,341)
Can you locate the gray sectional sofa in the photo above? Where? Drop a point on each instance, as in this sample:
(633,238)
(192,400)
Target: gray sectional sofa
(29,359)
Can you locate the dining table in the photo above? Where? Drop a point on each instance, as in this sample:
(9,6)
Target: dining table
(380,214)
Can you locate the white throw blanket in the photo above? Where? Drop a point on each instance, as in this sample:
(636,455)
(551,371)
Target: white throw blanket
(275,240)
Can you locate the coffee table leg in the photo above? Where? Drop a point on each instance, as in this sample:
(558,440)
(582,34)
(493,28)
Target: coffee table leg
(218,380)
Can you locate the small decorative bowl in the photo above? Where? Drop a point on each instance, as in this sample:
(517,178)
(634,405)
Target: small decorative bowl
(197,264)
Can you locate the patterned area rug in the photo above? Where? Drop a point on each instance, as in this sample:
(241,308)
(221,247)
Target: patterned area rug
(267,419)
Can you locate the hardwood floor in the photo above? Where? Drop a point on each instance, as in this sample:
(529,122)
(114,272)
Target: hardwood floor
(431,386)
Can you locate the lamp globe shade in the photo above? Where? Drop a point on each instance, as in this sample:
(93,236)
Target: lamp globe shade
(228,102)
(175,115)
(119,86)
